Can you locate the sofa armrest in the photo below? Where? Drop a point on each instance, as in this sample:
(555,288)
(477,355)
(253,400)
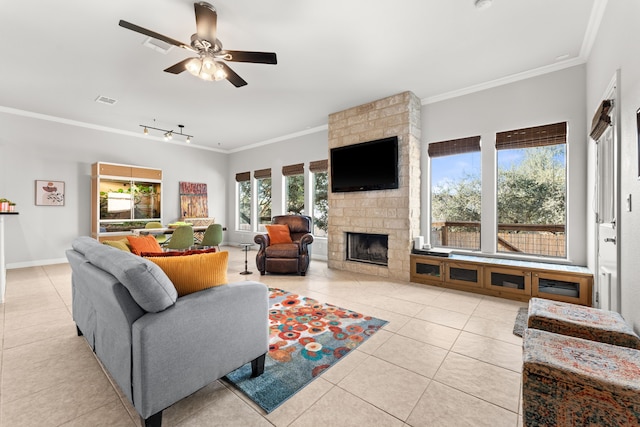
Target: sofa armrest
(305,240)
(263,240)
(203,337)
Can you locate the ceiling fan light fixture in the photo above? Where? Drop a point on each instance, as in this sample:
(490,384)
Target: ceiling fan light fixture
(219,73)
(194,65)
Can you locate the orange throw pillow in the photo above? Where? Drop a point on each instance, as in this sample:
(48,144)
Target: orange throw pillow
(143,244)
(194,273)
(278,233)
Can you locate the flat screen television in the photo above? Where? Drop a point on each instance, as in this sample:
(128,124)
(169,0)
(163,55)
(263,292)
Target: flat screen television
(366,166)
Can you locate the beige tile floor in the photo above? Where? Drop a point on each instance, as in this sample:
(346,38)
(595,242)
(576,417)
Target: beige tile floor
(447,358)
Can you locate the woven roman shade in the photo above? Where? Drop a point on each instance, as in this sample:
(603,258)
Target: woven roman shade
(243,176)
(262,173)
(537,136)
(454,146)
(319,166)
(297,169)
(601,120)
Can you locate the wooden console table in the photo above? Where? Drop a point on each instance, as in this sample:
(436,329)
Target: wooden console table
(506,278)
(3,270)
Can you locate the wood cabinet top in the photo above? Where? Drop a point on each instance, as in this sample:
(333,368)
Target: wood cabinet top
(127,171)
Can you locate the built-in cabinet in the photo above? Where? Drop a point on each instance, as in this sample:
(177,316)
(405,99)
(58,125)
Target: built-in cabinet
(123,198)
(513,279)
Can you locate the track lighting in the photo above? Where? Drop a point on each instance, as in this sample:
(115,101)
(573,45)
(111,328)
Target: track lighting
(168,133)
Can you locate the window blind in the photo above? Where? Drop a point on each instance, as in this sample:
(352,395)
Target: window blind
(454,146)
(601,120)
(319,166)
(262,173)
(243,176)
(537,136)
(297,169)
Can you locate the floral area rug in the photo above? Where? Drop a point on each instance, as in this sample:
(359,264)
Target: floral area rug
(306,338)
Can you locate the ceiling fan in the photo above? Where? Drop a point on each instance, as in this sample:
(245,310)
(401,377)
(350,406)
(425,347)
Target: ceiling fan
(209,64)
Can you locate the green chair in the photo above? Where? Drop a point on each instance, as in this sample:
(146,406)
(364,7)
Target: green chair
(212,236)
(161,238)
(181,239)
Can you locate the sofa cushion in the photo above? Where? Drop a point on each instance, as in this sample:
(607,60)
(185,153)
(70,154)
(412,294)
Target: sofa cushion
(194,273)
(122,244)
(178,253)
(278,233)
(283,250)
(146,282)
(140,244)
(83,243)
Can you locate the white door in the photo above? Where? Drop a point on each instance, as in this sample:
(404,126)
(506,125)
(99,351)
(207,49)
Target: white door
(607,188)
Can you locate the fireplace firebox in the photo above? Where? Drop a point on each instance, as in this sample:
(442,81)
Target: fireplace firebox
(368,248)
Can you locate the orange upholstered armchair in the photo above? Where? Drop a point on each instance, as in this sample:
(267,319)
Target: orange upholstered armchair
(285,246)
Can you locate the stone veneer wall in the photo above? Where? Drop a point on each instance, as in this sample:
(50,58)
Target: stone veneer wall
(392,212)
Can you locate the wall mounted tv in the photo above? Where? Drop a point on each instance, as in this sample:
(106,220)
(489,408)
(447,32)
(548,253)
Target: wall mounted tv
(366,166)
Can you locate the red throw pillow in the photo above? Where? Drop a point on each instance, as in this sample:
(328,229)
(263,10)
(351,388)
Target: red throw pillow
(178,253)
(278,233)
(143,244)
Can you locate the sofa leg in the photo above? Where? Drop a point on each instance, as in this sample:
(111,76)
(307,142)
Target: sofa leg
(78,331)
(154,420)
(257,366)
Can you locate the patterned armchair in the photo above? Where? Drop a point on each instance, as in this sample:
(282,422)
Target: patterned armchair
(293,257)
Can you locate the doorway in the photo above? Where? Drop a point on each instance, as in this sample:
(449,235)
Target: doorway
(607,193)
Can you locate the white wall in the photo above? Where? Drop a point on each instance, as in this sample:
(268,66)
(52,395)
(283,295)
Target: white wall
(616,47)
(32,149)
(302,149)
(546,99)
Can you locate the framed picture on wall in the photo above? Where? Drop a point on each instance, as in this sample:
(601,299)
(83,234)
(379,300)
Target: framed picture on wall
(49,193)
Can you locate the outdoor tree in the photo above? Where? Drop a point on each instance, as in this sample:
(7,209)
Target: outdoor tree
(531,191)
(321,201)
(295,194)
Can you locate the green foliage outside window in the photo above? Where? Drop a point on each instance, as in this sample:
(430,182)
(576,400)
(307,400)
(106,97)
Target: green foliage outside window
(264,201)
(244,205)
(320,203)
(294,194)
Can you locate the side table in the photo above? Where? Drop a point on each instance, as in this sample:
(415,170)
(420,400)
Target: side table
(3,271)
(245,248)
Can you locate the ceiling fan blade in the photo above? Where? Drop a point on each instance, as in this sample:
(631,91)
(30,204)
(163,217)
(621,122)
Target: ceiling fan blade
(255,57)
(206,21)
(179,67)
(137,29)
(233,78)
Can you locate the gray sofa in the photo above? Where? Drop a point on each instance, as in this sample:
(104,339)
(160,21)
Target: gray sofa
(159,348)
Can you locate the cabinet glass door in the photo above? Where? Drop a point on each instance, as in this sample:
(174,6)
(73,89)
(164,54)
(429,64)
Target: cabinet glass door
(424,269)
(464,274)
(559,287)
(510,280)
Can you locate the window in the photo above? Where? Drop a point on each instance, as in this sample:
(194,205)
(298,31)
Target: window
(243,194)
(455,193)
(263,197)
(531,198)
(293,189)
(319,199)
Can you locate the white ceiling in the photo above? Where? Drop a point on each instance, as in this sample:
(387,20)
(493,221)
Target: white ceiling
(59,56)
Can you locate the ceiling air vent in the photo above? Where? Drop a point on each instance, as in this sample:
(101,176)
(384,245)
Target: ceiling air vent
(157,45)
(105,100)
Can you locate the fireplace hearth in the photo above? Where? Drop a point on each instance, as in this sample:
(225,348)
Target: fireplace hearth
(368,248)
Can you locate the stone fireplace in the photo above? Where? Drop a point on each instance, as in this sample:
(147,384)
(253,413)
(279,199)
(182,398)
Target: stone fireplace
(367,247)
(392,213)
